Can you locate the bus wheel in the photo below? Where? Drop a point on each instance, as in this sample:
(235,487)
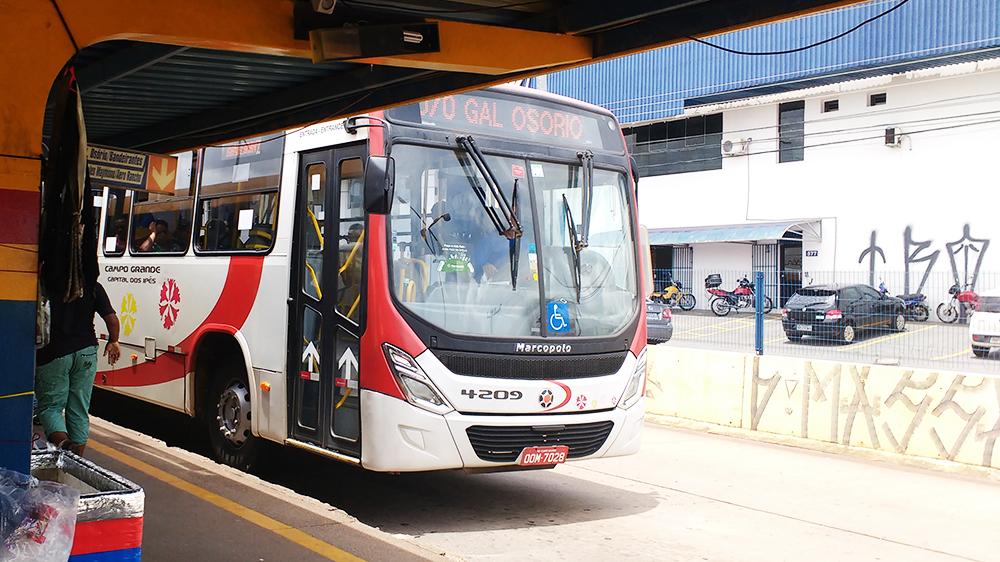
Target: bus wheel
(229,423)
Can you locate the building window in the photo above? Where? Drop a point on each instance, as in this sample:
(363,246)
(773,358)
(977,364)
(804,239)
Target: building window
(791,131)
(876,99)
(831,105)
(693,144)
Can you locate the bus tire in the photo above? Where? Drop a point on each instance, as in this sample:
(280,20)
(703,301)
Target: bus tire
(228,422)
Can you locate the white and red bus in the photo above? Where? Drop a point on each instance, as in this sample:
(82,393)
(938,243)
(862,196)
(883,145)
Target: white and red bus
(449,284)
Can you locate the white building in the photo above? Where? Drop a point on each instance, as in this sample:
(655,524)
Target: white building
(892,178)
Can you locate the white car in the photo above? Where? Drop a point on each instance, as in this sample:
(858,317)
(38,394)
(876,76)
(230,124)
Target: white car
(984,324)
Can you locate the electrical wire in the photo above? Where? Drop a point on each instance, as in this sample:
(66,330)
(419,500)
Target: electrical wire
(832,143)
(807,47)
(896,123)
(72,39)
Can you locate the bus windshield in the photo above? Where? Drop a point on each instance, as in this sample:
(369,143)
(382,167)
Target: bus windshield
(455,270)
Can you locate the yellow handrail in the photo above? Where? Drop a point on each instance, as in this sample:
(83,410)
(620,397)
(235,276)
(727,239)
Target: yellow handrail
(354,250)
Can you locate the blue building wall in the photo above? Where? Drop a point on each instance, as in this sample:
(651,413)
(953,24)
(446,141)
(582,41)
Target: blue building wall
(657,84)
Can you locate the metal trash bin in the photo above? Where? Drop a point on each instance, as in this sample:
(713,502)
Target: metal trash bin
(109,515)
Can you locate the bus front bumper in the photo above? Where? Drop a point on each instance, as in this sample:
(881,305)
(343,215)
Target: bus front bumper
(399,437)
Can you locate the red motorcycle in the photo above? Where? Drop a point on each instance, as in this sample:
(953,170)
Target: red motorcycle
(741,297)
(966,302)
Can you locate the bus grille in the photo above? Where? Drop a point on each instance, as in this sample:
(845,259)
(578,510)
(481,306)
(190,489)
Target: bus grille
(504,444)
(527,367)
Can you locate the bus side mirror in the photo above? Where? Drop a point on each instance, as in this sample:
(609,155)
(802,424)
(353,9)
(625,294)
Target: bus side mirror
(634,168)
(380,179)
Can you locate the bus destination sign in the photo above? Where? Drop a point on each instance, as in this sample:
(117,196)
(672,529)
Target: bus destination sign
(131,169)
(519,118)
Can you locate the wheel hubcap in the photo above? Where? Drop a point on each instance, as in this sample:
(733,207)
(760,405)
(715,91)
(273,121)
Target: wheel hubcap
(234,413)
(849,334)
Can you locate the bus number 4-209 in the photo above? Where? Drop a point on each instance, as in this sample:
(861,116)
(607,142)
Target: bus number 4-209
(493,394)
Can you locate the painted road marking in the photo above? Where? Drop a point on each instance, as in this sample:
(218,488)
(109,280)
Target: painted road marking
(886,338)
(964,351)
(303,539)
(740,323)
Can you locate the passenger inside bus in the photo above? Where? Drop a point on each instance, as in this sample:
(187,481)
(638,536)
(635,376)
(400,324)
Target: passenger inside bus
(120,226)
(159,238)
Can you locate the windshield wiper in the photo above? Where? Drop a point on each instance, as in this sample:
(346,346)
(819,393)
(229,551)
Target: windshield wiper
(574,243)
(587,164)
(507,225)
(515,244)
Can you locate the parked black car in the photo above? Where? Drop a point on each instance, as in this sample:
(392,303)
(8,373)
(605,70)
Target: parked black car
(659,322)
(839,312)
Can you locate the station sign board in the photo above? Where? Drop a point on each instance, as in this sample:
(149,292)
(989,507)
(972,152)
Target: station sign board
(131,169)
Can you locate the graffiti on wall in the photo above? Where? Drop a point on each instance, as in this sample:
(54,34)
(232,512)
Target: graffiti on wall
(950,414)
(965,255)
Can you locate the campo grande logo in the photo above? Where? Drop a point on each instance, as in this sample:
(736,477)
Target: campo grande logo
(129,310)
(170,301)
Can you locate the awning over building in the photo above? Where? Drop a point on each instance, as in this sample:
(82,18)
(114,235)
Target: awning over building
(752,232)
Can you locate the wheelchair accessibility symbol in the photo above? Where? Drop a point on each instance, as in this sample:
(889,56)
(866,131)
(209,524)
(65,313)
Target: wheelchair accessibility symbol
(558,317)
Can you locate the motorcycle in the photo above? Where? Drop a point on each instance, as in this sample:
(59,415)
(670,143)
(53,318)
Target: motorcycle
(915,308)
(966,302)
(675,295)
(742,297)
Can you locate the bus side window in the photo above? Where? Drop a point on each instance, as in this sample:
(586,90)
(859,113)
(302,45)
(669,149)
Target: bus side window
(238,197)
(162,222)
(117,208)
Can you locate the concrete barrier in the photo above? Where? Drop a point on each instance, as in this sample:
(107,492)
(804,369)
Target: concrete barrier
(917,412)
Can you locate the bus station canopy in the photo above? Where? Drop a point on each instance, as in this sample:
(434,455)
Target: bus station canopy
(166,94)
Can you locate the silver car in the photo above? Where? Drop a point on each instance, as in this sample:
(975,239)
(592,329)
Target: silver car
(659,323)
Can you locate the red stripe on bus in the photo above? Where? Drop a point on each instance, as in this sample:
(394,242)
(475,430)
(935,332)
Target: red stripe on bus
(229,314)
(384,322)
(103,536)
(19,210)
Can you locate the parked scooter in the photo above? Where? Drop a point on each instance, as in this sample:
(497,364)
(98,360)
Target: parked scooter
(915,307)
(742,297)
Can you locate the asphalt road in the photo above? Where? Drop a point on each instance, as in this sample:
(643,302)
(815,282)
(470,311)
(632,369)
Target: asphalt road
(928,345)
(687,495)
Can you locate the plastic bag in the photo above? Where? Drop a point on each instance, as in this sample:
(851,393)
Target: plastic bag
(37,518)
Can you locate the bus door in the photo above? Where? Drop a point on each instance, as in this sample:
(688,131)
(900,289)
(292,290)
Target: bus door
(326,297)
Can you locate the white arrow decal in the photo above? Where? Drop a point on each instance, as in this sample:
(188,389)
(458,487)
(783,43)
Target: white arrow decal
(347,362)
(161,177)
(312,356)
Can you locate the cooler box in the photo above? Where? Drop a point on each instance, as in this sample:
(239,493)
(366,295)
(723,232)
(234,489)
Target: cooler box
(109,516)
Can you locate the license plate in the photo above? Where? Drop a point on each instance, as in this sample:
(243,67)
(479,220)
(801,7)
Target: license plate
(803,328)
(542,456)
(653,316)
(994,339)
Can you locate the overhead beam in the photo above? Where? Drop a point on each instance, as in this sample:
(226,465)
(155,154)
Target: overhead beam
(315,101)
(484,49)
(123,63)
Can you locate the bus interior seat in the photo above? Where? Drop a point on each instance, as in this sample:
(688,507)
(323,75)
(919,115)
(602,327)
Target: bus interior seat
(261,236)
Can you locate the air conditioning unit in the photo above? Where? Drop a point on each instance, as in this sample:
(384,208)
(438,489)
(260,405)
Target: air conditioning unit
(735,147)
(893,136)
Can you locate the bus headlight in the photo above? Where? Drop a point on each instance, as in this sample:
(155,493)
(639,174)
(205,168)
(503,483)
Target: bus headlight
(632,391)
(417,387)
